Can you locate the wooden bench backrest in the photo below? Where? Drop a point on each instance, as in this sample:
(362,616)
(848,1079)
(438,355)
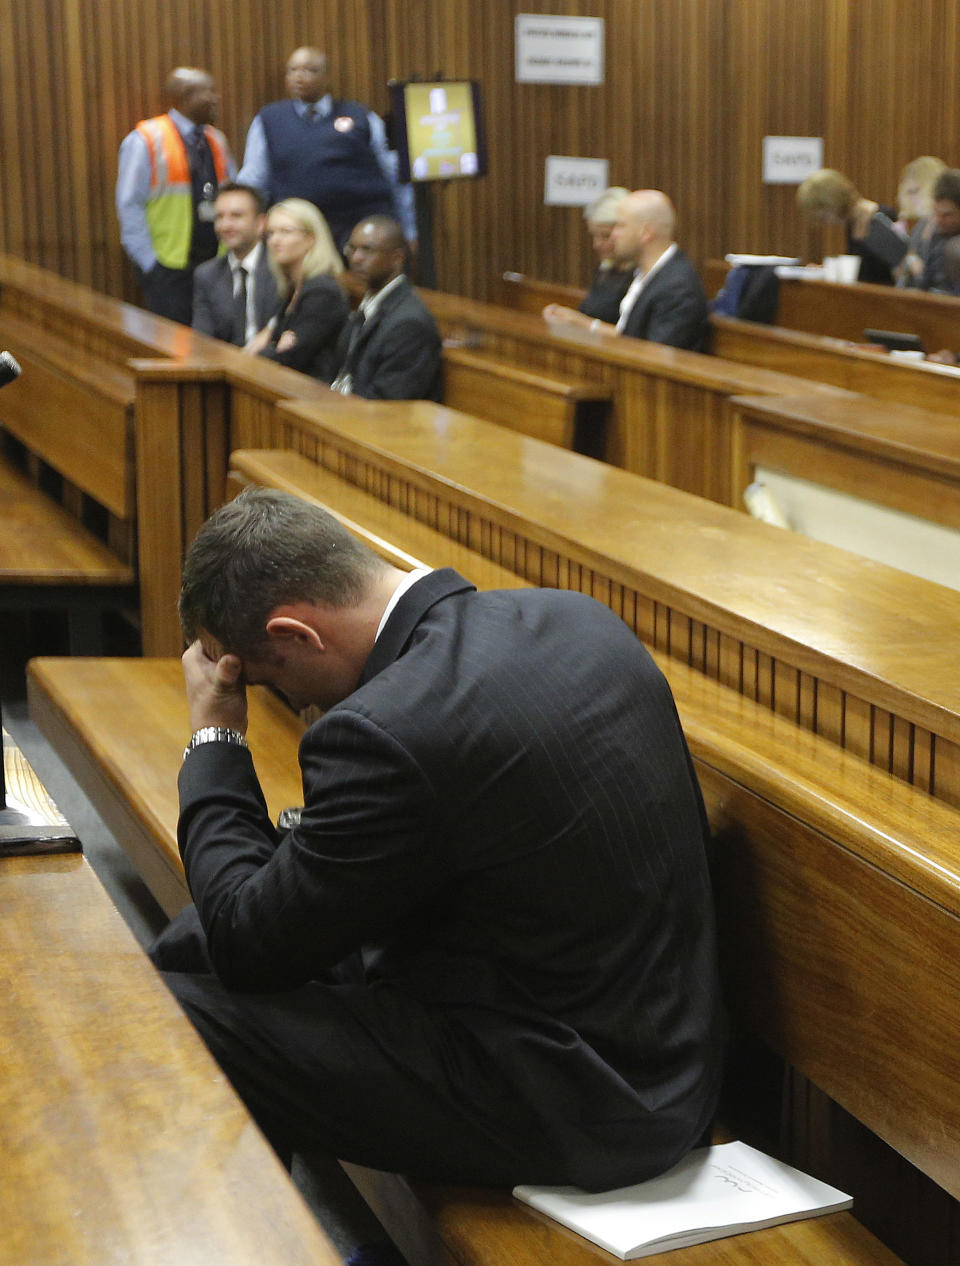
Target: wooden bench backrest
(544,405)
(829,360)
(666,418)
(527,294)
(74,414)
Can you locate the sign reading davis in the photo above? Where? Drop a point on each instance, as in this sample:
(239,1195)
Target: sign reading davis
(573,182)
(557,50)
(788,160)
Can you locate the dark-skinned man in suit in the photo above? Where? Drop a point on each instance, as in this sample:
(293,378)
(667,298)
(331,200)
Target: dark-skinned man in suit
(390,347)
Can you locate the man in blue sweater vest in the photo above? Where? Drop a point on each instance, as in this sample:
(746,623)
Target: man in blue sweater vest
(333,153)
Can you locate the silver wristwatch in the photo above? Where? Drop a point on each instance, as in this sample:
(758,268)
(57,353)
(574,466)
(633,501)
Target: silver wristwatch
(214,734)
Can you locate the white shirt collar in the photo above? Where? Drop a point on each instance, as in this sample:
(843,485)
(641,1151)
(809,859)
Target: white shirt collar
(369,303)
(407,582)
(628,302)
(249,261)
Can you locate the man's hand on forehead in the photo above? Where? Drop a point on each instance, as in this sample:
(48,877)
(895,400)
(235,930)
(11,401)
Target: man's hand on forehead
(216,687)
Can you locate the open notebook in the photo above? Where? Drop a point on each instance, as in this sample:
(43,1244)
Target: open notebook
(713,1192)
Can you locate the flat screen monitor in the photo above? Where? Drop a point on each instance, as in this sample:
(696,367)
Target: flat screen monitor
(438,129)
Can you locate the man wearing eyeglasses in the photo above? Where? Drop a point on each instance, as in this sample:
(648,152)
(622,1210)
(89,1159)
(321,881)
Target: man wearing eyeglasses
(390,347)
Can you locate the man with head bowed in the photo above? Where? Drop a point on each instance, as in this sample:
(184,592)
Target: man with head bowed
(485,950)
(665,302)
(169,170)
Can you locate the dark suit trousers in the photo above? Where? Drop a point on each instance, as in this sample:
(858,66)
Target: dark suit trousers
(168,292)
(363,1072)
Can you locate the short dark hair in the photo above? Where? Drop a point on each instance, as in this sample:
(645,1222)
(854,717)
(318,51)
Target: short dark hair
(947,187)
(263,550)
(234,186)
(391,230)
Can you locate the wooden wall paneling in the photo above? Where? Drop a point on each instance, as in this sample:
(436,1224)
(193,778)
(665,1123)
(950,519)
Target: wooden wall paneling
(773,86)
(691,87)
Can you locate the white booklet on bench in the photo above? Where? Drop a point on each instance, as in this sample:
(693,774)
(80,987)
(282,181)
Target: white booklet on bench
(713,1192)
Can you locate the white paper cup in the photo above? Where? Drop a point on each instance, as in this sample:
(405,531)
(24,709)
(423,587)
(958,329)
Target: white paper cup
(848,267)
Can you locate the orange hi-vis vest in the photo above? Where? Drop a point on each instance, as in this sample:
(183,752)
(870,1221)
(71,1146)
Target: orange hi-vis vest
(169,208)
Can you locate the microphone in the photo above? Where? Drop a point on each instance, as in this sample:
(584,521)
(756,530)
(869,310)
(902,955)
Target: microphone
(9,369)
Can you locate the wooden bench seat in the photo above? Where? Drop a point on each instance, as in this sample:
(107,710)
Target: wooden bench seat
(49,561)
(121,1140)
(559,408)
(43,545)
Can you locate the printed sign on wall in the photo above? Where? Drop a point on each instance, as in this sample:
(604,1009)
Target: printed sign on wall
(788,160)
(550,49)
(573,182)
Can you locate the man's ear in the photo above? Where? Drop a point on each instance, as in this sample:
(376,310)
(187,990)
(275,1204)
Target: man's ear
(287,628)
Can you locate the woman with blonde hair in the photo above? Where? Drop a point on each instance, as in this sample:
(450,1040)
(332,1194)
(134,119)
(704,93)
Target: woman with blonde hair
(313,305)
(829,197)
(915,204)
(611,280)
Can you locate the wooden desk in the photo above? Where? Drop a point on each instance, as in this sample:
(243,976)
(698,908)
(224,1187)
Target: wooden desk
(894,455)
(822,359)
(845,311)
(122,1143)
(667,417)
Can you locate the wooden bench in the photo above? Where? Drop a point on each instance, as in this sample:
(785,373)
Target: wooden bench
(667,416)
(121,1139)
(823,359)
(555,407)
(67,484)
(528,294)
(129,772)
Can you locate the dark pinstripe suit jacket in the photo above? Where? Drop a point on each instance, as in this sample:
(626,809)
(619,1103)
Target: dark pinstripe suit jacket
(504,819)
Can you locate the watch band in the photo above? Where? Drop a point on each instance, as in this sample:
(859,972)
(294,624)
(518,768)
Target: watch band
(215,734)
